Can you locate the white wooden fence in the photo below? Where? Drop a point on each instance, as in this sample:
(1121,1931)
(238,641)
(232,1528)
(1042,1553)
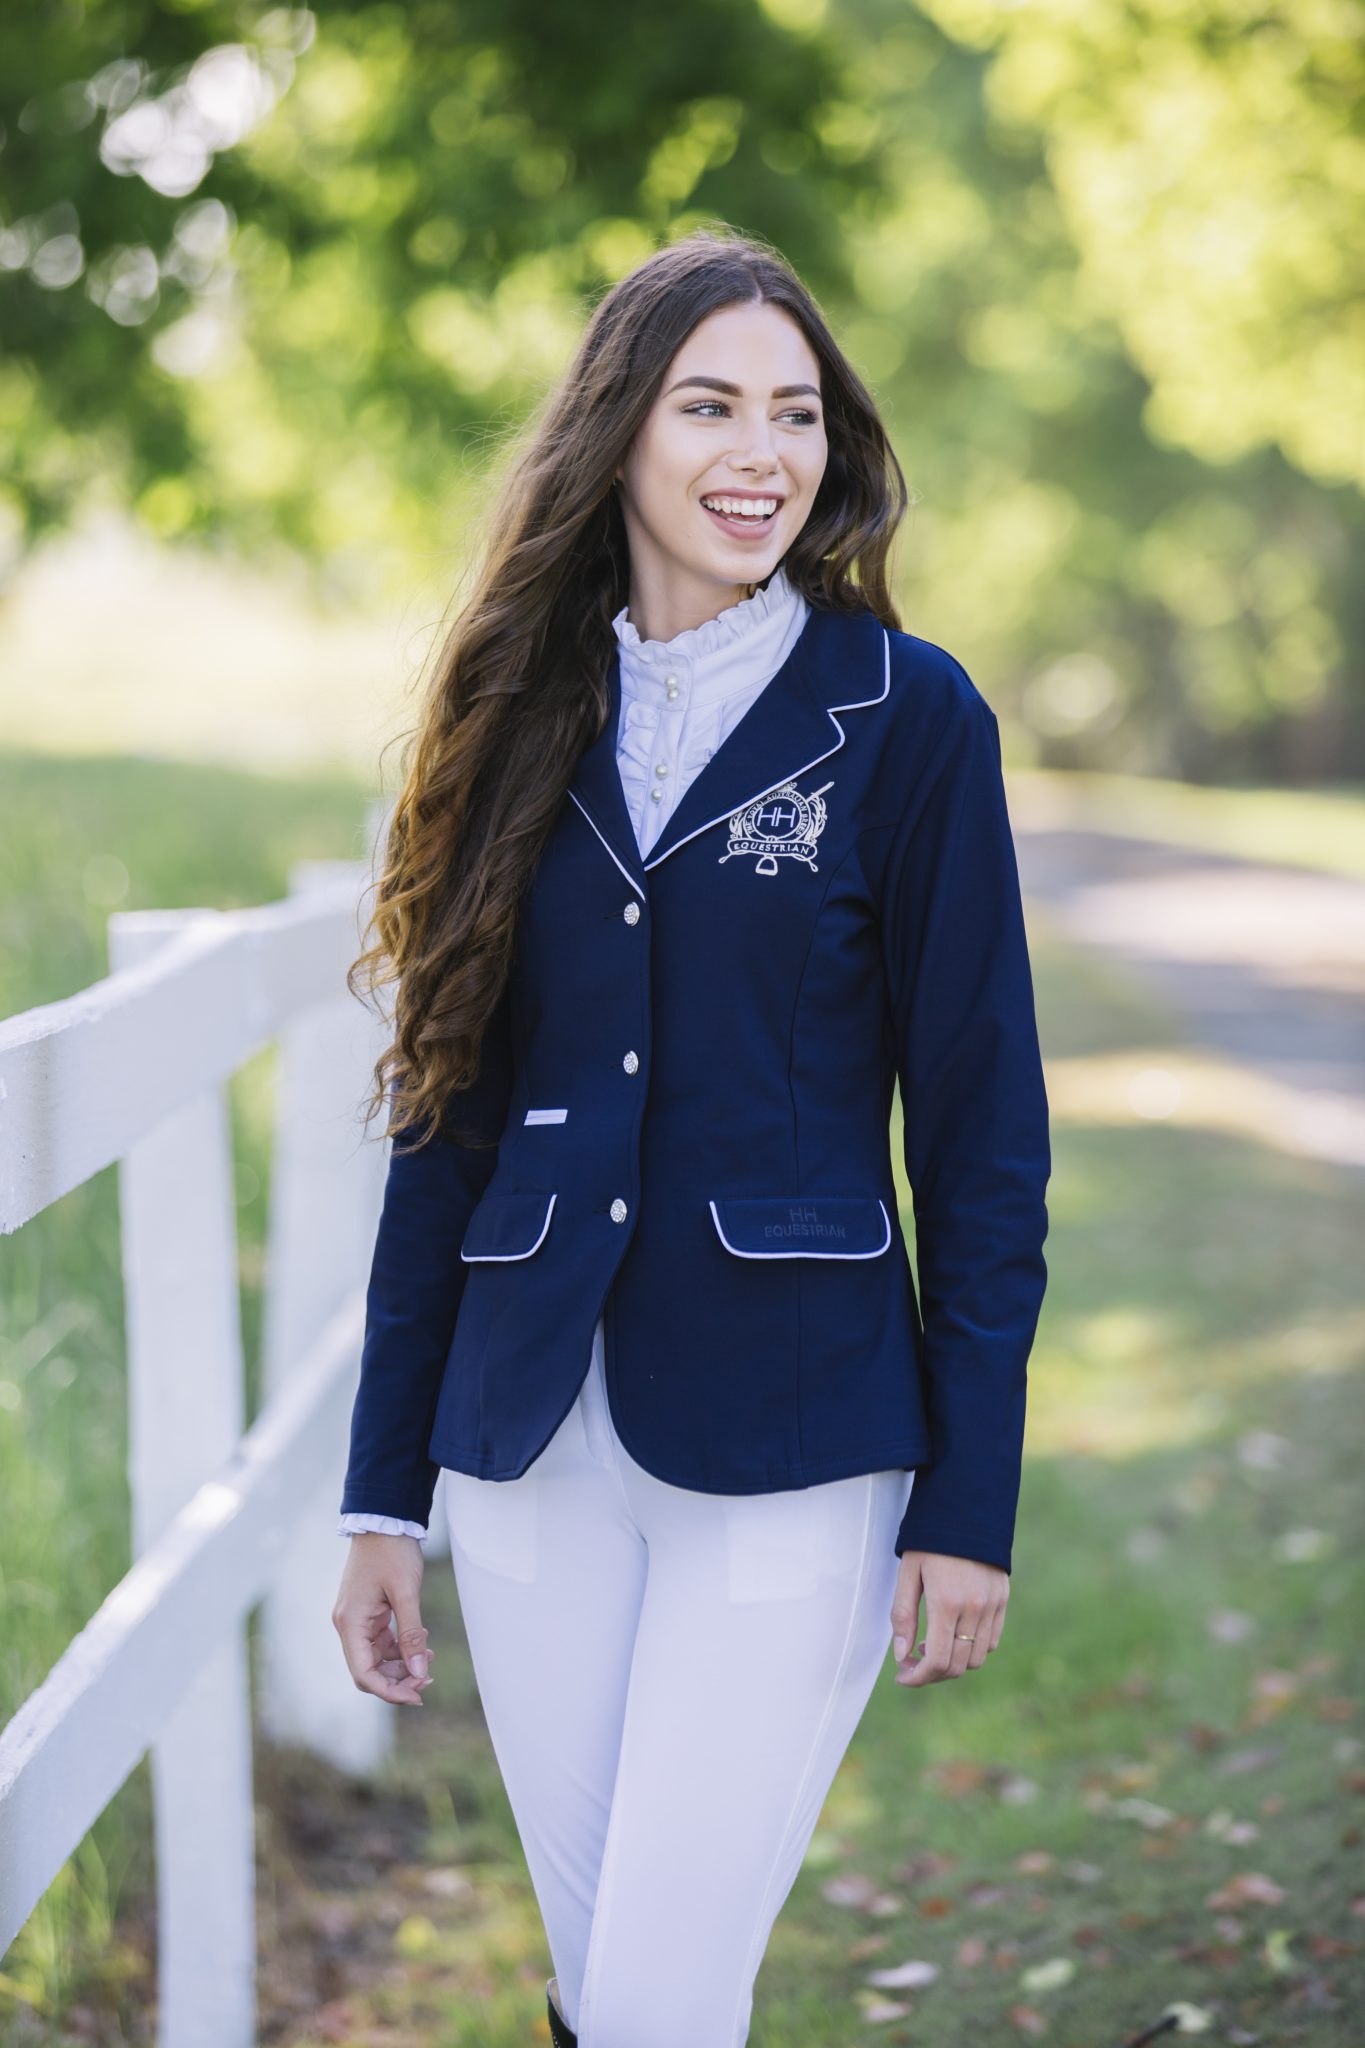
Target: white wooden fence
(134,1069)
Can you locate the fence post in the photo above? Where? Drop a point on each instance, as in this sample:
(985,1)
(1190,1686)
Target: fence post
(185,1416)
(327,1181)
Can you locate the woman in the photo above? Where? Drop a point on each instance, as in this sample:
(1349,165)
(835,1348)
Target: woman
(698,854)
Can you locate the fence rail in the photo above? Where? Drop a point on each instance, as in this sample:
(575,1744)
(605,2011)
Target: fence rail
(134,1070)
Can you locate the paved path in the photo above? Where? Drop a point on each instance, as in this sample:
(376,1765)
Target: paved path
(1265,964)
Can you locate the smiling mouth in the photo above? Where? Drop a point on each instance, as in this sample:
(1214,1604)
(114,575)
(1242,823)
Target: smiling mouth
(740,514)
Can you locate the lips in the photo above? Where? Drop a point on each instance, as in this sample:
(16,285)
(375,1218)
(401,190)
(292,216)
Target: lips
(742,527)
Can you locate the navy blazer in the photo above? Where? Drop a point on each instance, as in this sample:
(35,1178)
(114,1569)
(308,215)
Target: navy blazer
(690,1078)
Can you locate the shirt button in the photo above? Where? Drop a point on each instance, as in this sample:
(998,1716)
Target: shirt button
(631,913)
(671,682)
(618,1211)
(631,1062)
(657,794)
(661,768)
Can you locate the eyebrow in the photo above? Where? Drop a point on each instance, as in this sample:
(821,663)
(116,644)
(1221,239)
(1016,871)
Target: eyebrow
(734,391)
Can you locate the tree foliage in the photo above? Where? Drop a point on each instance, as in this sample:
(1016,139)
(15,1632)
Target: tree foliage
(283,279)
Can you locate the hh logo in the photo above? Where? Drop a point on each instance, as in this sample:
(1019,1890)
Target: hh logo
(782,821)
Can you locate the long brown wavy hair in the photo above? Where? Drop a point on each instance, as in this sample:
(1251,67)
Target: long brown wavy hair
(519,685)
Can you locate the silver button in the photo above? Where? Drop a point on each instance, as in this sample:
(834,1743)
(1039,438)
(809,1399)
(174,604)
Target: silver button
(631,913)
(618,1211)
(631,1062)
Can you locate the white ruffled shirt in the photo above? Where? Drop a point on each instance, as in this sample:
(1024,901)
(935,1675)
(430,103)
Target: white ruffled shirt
(679,699)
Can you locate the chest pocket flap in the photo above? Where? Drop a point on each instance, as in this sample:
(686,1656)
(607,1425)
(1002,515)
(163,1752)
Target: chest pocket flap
(803,1226)
(508,1226)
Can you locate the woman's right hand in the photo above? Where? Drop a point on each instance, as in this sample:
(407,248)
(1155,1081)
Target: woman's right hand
(382,1585)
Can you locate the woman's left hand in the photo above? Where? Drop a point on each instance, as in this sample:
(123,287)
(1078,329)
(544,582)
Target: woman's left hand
(964,1598)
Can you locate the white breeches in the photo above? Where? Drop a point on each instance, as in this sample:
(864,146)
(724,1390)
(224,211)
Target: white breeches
(670,1680)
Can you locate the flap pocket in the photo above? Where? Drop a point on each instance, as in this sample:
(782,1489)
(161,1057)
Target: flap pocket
(508,1226)
(803,1226)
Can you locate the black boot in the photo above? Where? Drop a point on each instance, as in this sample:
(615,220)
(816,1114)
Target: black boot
(561,2033)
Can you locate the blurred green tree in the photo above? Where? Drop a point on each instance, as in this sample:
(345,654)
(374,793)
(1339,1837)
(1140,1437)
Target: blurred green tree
(326,252)
(283,279)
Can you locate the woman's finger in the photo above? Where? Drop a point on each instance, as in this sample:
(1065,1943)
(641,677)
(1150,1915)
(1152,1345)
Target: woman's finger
(375,1661)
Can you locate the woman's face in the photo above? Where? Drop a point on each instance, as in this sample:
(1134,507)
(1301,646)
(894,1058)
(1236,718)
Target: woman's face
(723,473)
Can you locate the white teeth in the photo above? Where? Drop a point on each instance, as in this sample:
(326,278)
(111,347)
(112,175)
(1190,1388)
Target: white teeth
(743,508)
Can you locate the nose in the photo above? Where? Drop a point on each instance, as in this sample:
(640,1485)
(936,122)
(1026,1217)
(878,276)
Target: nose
(759,455)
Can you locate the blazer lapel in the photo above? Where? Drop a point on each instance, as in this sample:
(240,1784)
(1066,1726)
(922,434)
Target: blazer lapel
(839,662)
(789,727)
(597,789)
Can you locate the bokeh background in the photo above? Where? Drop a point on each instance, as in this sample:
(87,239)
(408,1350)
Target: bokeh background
(274,287)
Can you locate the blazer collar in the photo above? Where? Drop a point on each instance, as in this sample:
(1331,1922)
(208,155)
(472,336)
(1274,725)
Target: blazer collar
(840,661)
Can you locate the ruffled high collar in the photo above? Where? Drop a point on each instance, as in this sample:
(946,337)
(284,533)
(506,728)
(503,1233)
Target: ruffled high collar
(697,646)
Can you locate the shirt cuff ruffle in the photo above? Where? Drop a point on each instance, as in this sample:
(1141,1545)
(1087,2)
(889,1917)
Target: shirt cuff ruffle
(381,1525)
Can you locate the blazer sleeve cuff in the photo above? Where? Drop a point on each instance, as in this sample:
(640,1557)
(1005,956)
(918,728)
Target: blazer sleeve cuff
(954,1539)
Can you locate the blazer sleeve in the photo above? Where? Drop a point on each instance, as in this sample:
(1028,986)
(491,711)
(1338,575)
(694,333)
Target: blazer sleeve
(977,1149)
(416,1281)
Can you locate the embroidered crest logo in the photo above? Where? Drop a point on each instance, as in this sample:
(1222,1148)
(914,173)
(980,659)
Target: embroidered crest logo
(783,821)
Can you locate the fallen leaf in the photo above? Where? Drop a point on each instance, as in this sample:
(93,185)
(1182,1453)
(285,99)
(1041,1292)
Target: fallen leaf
(877,2010)
(1145,1810)
(1271,1693)
(851,1889)
(904,1976)
(1131,1776)
(936,1907)
(1225,1827)
(867,1945)
(1027,2018)
(985,1894)
(1275,1949)
(1048,1976)
(1191,2019)
(1252,1887)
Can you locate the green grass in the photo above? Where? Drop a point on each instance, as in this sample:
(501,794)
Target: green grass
(1181,1660)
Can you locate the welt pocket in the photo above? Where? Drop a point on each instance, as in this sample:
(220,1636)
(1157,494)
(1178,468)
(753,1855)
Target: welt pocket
(508,1226)
(802,1226)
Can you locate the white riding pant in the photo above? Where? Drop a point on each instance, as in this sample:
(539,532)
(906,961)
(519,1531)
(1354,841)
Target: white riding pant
(670,1680)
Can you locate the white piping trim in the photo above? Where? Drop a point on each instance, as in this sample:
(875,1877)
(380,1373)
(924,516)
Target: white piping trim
(471,1258)
(610,849)
(715,1217)
(859,704)
(545,1116)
